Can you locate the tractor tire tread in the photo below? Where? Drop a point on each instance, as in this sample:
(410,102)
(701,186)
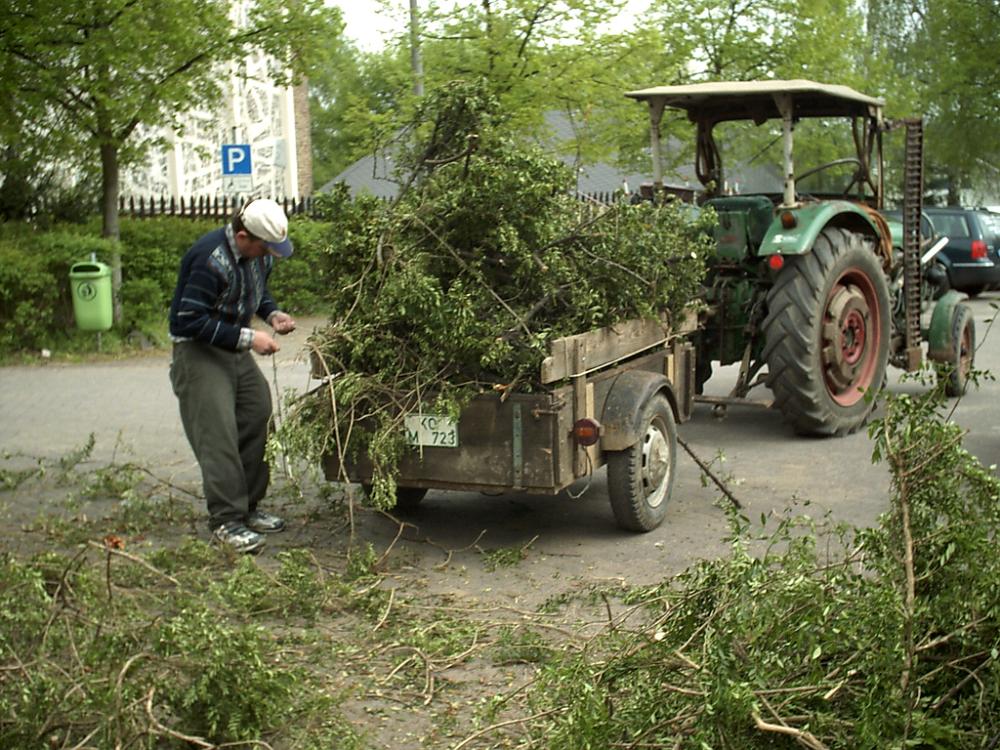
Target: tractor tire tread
(792,341)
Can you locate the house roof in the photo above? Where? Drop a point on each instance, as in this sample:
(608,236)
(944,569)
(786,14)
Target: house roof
(373,174)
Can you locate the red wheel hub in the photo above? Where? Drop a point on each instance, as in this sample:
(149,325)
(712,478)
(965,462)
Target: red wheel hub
(850,337)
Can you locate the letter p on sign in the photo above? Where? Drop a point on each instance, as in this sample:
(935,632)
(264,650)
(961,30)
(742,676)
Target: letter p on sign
(236,159)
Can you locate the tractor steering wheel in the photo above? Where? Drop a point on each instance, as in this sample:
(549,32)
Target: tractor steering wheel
(835,163)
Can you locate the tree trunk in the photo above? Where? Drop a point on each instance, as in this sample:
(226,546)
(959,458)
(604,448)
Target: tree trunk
(954,188)
(109,214)
(17,194)
(303,138)
(416,58)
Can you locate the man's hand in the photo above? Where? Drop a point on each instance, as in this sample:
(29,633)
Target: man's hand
(263,343)
(282,323)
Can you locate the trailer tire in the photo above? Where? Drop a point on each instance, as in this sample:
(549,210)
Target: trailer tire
(641,477)
(975,290)
(826,335)
(956,371)
(407,498)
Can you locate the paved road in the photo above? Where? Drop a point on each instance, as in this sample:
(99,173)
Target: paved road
(128,405)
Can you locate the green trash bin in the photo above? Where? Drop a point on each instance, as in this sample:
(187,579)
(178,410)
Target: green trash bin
(91,286)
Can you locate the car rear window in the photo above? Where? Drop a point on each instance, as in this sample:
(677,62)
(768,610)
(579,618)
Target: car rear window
(925,225)
(991,226)
(951,225)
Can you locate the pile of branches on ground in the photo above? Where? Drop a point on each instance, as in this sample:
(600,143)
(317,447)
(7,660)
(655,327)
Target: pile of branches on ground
(459,284)
(164,651)
(881,638)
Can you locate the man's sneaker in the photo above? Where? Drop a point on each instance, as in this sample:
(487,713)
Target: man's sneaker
(238,537)
(265,523)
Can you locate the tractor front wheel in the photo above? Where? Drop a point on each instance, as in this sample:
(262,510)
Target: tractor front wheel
(956,371)
(826,335)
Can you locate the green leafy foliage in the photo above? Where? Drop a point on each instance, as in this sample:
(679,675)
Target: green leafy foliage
(458,286)
(294,590)
(824,637)
(89,76)
(521,645)
(106,658)
(35,301)
(36,308)
(535,57)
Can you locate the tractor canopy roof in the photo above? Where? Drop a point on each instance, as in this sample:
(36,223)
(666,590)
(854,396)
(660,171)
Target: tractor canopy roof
(756,100)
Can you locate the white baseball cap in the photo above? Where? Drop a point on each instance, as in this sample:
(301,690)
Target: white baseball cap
(265,219)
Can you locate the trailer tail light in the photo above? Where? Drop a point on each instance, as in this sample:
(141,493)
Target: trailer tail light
(788,220)
(978,249)
(586,431)
(776,262)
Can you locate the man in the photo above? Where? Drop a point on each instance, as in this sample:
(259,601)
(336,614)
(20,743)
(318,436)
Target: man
(225,401)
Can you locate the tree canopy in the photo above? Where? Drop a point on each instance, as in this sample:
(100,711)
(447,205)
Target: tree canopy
(89,74)
(935,58)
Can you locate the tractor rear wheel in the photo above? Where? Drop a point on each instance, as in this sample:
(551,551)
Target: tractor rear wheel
(826,335)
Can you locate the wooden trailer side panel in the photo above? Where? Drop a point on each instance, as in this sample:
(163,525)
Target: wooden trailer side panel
(514,444)
(525,443)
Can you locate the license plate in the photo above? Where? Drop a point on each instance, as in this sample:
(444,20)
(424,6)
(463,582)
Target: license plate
(432,430)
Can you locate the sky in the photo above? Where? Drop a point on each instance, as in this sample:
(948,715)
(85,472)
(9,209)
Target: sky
(368,24)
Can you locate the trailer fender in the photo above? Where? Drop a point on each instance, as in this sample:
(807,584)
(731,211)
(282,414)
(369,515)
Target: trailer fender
(622,413)
(940,335)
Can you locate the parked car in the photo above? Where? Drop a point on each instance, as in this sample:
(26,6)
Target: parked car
(972,255)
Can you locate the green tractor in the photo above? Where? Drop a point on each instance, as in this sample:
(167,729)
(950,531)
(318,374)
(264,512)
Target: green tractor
(811,290)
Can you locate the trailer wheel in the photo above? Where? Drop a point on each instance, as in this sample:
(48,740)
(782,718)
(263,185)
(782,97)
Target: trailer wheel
(826,335)
(956,371)
(407,498)
(641,477)
(702,374)
(975,290)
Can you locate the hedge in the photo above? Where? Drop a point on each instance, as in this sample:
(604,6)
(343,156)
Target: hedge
(36,308)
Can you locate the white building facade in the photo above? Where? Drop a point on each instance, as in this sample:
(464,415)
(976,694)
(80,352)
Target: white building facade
(273,120)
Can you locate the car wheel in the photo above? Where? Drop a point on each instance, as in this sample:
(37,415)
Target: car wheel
(641,477)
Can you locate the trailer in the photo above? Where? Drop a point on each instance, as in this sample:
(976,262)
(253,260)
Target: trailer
(611,396)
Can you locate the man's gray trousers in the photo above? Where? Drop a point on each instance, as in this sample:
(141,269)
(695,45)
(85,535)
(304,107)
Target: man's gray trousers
(225,406)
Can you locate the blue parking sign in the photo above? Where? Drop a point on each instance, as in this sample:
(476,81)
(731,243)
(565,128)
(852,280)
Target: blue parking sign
(236,159)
